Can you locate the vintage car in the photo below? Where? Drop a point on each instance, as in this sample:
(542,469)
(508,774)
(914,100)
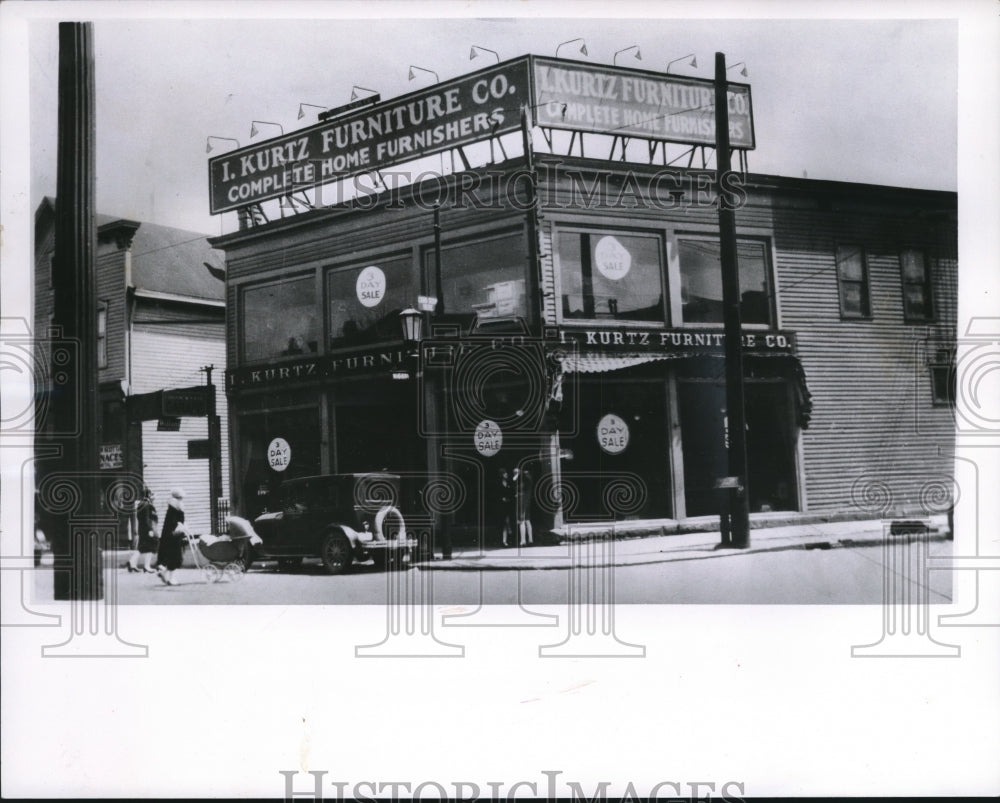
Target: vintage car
(342,519)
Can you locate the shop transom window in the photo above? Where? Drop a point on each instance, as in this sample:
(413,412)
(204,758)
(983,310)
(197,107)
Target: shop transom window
(611,275)
(279,320)
(701,281)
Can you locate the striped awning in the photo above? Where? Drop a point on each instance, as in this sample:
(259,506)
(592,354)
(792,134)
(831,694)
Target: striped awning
(599,363)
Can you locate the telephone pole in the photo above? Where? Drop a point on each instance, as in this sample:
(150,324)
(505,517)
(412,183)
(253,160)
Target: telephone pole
(214,448)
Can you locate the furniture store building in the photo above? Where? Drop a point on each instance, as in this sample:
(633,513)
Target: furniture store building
(558,310)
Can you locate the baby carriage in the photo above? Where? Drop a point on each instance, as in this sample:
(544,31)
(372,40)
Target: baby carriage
(227,556)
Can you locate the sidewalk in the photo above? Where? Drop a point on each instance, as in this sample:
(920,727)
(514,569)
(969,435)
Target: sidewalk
(635,548)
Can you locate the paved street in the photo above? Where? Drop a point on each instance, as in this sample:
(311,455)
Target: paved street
(844,575)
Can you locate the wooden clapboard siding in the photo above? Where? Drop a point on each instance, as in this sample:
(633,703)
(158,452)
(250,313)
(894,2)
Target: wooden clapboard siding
(170,357)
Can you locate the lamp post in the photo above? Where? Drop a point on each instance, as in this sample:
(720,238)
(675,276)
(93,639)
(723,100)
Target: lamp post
(638,53)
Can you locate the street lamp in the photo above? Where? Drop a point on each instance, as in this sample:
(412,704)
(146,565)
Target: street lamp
(692,63)
(255,123)
(437,79)
(473,54)
(412,323)
(583,47)
(638,53)
(311,105)
(208,142)
(743,72)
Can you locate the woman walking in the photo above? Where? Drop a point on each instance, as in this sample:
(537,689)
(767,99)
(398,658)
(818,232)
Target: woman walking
(171,553)
(147,541)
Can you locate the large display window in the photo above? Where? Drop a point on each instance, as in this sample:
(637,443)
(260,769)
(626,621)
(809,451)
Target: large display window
(607,275)
(279,320)
(364,301)
(701,281)
(483,278)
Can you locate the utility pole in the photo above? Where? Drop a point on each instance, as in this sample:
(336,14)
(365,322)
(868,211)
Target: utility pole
(77,548)
(738,507)
(214,448)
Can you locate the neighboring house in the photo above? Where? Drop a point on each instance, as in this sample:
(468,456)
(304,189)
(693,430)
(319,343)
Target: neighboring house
(161,320)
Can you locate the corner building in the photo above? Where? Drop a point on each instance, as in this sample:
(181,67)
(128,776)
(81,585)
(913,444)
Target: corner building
(579,314)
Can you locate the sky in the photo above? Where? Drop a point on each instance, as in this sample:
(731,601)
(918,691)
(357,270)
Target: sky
(856,100)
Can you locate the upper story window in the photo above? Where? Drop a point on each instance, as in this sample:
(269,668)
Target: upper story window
(852,279)
(484,278)
(279,320)
(611,276)
(365,301)
(917,304)
(102,334)
(701,281)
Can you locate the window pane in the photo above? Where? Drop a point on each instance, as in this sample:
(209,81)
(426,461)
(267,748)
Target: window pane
(701,281)
(849,265)
(915,298)
(365,302)
(851,300)
(615,276)
(279,320)
(914,267)
(102,335)
(484,278)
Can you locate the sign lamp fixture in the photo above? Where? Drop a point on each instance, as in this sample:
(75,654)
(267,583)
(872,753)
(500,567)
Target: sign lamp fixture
(208,142)
(583,47)
(254,123)
(437,79)
(692,63)
(743,72)
(638,53)
(355,89)
(311,105)
(473,54)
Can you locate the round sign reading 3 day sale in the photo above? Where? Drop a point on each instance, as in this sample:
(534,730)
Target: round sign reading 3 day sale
(612,258)
(612,434)
(371,286)
(279,454)
(488,438)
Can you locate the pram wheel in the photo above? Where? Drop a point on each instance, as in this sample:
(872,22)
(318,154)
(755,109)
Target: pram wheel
(233,572)
(212,573)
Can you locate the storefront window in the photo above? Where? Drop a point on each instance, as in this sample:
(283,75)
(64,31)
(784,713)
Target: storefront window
(610,276)
(365,301)
(484,278)
(279,320)
(701,281)
(261,474)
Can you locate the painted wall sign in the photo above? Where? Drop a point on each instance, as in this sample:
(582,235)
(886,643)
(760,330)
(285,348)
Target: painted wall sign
(279,454)
(612,434)
(633,103)
(371,286)
(488,438)
(673,341)
(457,112)
(612,258)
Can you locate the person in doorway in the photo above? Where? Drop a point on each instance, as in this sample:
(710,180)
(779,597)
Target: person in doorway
(146,540)
(524,488)
(507,502)
(171,552)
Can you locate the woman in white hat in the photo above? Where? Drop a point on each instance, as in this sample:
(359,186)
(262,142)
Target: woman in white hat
(171,552)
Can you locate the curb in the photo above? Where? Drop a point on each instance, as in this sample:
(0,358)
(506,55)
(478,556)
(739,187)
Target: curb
(677,554)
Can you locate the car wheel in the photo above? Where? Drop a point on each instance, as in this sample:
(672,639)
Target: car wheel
(289,564)
(336,553)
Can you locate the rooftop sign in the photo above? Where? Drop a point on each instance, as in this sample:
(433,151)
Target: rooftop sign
(558,93)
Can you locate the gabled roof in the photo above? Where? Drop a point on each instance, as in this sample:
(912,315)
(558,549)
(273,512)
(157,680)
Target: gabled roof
(164,259)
